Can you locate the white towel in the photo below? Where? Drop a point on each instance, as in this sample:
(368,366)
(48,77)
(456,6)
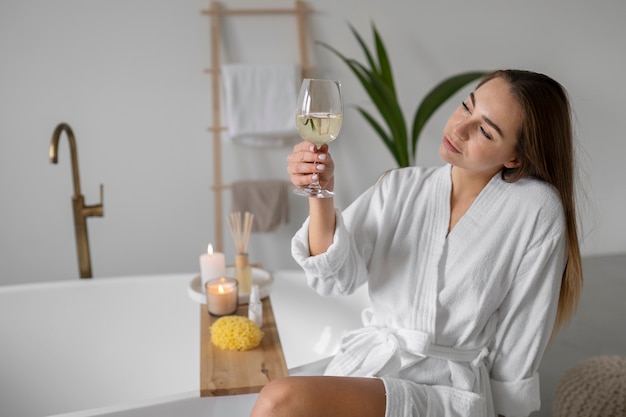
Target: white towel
(260,103)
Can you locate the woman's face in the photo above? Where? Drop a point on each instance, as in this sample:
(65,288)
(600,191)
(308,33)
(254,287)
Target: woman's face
(480,136)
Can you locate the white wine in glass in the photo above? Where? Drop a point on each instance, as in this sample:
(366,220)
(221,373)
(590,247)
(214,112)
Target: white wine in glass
(318,120)
(318,128)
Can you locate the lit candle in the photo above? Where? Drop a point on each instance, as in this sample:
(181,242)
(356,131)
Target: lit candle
(212,265)
(222,296)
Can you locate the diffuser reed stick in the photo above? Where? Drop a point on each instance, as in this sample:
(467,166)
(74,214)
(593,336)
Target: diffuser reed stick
(240,229)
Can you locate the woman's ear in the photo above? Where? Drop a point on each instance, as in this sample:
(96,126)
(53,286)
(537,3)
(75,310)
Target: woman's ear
(513,163)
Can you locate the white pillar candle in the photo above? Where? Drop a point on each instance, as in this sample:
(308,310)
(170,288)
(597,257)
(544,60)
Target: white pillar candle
(212,265)
(222,296)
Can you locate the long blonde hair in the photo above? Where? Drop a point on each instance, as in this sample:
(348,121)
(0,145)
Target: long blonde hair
(545,149)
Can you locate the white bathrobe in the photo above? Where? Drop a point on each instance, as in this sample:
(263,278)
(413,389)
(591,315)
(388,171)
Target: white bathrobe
(458,323)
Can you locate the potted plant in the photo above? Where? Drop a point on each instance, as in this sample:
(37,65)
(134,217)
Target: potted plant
(377,80)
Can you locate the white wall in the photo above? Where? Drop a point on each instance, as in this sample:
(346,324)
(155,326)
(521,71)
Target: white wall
(128,77)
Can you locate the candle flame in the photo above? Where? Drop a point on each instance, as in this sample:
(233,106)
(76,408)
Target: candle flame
(210,249)
(220,289)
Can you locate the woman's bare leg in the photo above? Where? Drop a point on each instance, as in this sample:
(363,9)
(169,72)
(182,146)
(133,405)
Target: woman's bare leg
(321,396)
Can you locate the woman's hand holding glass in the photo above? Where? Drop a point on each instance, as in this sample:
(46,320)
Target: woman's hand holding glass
(307,164)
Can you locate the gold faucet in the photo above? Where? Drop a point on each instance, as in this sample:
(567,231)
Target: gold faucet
(81,211)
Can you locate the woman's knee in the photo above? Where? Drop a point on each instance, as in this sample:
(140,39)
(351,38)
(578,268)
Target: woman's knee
(277,398)
(305,396)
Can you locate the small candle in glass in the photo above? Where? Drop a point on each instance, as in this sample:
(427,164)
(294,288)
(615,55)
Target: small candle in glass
(222,296)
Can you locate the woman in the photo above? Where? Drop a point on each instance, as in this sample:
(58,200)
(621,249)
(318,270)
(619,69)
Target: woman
(470,266)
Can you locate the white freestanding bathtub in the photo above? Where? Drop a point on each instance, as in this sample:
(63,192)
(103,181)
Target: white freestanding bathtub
(129,346)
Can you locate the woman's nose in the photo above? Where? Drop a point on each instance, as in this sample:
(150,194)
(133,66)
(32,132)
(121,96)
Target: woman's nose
(462,129)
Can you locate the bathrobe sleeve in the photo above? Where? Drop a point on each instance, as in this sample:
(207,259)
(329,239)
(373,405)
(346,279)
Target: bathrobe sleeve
(525,322)
(344,266)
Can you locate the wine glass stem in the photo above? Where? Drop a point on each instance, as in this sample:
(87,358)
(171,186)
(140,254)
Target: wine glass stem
(315,185)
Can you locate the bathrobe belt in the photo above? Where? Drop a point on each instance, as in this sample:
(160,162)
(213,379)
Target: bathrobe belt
(376,350)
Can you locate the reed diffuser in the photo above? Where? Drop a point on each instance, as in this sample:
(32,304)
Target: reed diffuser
(240,228)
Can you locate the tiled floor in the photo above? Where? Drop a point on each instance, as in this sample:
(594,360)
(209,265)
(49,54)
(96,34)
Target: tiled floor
(598,328)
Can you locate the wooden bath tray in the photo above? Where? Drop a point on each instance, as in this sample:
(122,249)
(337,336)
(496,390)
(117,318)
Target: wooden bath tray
(224,372)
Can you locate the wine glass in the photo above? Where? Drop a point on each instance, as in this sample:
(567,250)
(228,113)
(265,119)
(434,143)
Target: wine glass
(319,114)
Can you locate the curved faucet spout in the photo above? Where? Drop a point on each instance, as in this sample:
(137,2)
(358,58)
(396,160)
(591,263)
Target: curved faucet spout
(54,152)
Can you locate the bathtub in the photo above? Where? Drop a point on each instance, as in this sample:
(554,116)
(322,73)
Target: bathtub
(129,346)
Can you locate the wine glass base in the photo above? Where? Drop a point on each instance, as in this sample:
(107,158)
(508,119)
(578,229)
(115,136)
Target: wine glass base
(314,192)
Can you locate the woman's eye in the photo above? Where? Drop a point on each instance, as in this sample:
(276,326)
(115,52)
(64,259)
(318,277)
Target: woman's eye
(482,129)
(485,133)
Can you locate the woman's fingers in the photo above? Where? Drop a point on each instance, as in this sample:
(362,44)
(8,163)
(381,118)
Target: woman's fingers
(306,162)
(306,152)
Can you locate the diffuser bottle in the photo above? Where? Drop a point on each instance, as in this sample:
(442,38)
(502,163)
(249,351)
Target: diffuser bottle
(243,272)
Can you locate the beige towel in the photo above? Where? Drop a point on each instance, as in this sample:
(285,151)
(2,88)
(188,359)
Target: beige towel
(266,199)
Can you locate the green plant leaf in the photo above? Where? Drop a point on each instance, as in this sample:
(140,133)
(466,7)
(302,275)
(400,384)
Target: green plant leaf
(383,59)
(389,143)
(387,104)
(435,98)
(365,49)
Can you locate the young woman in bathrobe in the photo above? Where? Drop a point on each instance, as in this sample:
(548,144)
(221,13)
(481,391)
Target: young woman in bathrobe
(471,266)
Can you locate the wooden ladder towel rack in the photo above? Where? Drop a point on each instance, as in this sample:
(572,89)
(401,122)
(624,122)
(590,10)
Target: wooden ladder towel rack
(216,12)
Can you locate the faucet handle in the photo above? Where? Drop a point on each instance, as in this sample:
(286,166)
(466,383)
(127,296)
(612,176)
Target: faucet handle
(100,207)
(95,210)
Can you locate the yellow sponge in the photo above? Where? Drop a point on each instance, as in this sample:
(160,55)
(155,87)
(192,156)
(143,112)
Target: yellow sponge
(235,333)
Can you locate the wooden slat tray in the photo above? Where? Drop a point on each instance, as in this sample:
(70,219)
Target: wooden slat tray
(224,372)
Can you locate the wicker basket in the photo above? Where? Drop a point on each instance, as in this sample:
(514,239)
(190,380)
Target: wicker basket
(595,387)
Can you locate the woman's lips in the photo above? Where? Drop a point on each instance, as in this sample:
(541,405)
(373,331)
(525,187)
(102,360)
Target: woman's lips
(450,146)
